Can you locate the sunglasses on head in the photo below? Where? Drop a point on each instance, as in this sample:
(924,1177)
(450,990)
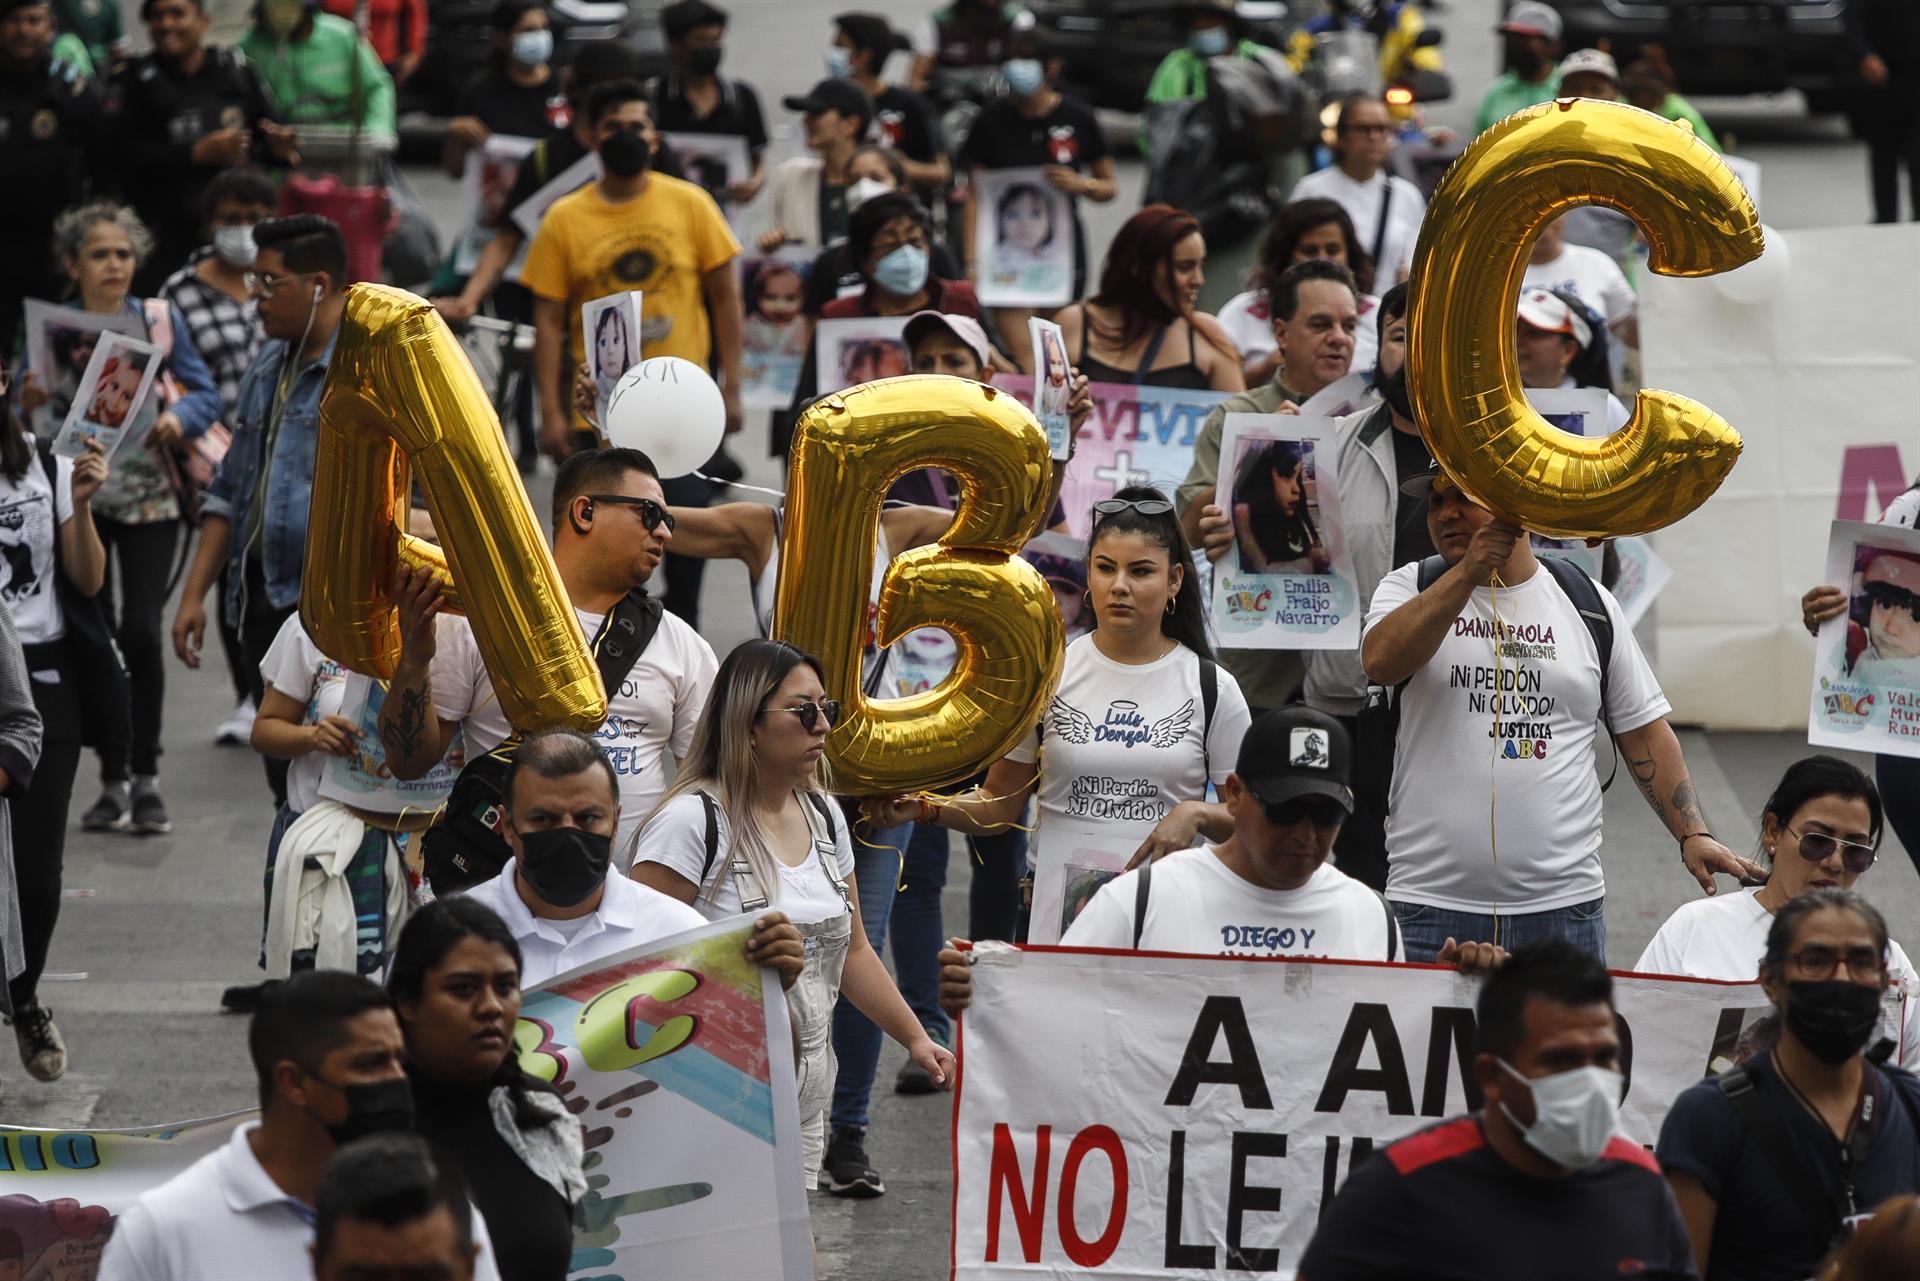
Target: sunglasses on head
(1818,847)
(811,712)
(1321,811)
(652,514)
(1891,597)
(1144,506)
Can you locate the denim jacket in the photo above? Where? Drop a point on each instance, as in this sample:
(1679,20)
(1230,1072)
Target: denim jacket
(283,532)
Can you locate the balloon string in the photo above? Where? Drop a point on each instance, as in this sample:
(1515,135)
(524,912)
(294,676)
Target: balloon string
(1493,761)
(781,494)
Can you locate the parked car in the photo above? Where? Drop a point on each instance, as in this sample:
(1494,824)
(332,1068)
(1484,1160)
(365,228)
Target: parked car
(1740,47)
(460,42)
(1111,47)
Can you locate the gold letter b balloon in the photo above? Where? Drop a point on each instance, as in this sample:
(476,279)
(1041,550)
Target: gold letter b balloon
(847,450)
(401,394)
(1461,371)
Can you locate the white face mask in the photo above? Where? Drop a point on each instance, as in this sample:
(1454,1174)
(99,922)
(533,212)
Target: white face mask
(864,190)
(1575,1114)
(234,245)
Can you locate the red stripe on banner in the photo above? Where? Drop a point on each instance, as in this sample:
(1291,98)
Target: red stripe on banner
(1442,1143)
(1632,1153)
(953,1133)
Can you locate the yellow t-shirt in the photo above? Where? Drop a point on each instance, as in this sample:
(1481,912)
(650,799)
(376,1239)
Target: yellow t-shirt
(662,243)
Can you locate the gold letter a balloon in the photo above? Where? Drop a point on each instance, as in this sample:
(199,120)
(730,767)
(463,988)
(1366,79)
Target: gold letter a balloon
(1461,371)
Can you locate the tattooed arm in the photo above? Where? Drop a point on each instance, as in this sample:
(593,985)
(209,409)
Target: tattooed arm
(1653,754)
(413,737)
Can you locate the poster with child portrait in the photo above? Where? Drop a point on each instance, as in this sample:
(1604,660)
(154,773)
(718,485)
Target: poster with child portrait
(60,344)
(773,341)
(484,189)
(107,405)
(714,162)
(1023,239)
(1287,581)
(859,349)
(1053,386)
(611,326)
(1866,666)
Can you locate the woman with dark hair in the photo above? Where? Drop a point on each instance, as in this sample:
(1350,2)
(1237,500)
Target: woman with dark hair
(1819,830)
(1122,759)
(1775,1160)
(455,983)
(1270,511)
(1141,322)
(1302,230)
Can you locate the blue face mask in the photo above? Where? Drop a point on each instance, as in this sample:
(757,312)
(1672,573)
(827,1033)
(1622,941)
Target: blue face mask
(532,48)
(1024,76)
(839,62)
(1210,42)
(903,271)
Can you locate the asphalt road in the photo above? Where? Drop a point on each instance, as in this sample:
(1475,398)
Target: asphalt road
(153,928)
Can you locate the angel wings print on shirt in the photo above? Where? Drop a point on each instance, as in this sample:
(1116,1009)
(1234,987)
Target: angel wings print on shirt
(1122,723)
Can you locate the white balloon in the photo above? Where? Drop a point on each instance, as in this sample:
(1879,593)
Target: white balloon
(671,409)
(1758,281)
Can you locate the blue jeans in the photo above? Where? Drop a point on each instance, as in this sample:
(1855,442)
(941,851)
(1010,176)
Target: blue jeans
(918,931)
(856,1041)
(1424,930)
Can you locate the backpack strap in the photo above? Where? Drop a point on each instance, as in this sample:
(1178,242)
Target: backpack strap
(1763,1126)
(1209,699)
(1393,927)
(1142,889)
(1585,595)
(624,636)
(712,812)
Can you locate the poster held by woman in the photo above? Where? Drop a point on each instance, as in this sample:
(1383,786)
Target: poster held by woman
(773,343)
(612,327)
(1023,231)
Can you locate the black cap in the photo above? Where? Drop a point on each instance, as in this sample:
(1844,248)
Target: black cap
(1421,484)
(843,96)
(1294,752)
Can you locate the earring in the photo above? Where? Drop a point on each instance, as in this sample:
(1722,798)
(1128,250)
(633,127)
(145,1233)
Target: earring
(1087,596)
(1171,601)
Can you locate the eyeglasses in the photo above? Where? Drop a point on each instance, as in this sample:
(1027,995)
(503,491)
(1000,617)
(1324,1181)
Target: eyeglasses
(811,712)
(1818,963)
(1371,131)
(1321,811)
(265,285)
(1818,847)
(1888,596)
(1144,506)
(652,514)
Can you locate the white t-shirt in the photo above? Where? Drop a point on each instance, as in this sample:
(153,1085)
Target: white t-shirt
(1124,743)
(295,666)
(1724,937)
(1588,275)
(630,915)
(650,716)
(1535,777)
(1249,322)
(1198,905)
(677,839)
(1361,200)
(30,517)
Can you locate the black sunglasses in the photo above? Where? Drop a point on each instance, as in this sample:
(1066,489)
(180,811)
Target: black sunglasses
(1891,597)
(652,514)
(811,712)
(1321,811)
(1145,506)
(1818,847)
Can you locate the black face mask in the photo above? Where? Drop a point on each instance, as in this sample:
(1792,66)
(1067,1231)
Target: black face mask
(1524,58)
(565,864)
(704,62)
(625,155)
(1393,390)
(372,1109)
(1832,1018)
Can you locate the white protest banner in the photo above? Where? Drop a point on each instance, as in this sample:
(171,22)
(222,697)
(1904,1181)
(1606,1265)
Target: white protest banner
(1287,581)
(362,779)
(528,214)
(1820,378)
(1023,228)
(1866,665)
(61,1191)
(1141,1116)
(678,1059)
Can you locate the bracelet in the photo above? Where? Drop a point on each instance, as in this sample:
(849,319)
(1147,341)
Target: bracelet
(929,813)
(1690,835)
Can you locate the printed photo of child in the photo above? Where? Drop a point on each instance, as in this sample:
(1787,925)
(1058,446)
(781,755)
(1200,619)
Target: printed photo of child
(1024,230)
(866,359)
(1026,221)
(773,344)
(1883,621)
(1275,514)
(107,403)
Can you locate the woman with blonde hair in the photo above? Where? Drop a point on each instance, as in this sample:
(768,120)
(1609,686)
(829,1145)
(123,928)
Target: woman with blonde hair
(748,824)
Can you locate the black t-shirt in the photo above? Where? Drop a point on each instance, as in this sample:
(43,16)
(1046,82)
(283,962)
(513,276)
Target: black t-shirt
(1003,138)
(903,120)
(1760,1231)
(1442,1205)
(520,111)
(737,113)
(1411,541)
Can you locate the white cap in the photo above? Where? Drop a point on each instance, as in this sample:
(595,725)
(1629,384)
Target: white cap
(1550,312)
(1590,62)
(965,328)
(1532,18)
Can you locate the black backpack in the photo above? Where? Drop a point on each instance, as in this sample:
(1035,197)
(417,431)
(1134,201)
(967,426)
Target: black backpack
(467,843)
(1379,722)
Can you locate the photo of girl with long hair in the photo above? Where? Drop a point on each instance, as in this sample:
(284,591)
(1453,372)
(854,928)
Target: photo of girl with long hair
(1026,222)
(613,351)
(1275,512)
(1024,230)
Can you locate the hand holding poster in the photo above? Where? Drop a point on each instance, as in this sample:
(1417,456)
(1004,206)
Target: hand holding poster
(1287,581)
(1151,1115)
(613,334)
(1023,233)
(60,345)
(363,780)
(1866,663)
(107,405)
(1053,376)
(773,340)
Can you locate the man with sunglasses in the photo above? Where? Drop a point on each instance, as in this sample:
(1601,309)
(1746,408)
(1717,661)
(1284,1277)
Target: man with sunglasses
(610,530)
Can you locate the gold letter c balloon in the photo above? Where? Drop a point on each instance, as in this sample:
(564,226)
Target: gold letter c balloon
(847,450)
(1461,371)
(401,393)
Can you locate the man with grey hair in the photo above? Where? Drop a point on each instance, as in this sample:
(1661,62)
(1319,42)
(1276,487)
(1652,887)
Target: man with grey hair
(555,894)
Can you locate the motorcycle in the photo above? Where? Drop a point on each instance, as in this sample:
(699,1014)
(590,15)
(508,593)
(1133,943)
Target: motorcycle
(1363,47)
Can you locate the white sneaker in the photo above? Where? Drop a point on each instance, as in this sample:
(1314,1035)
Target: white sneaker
(237,729)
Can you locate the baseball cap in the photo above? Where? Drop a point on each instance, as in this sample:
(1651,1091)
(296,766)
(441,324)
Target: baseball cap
(1590,62)
(1532,18)
(1296,751)
(843,96)
(965,328)
(1421,484)
(1548,311)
